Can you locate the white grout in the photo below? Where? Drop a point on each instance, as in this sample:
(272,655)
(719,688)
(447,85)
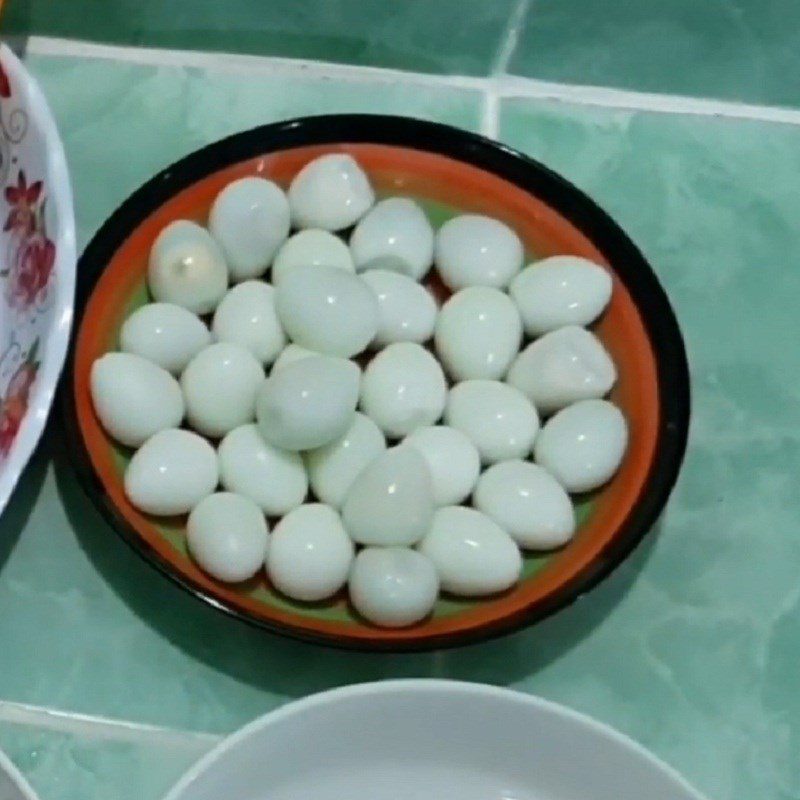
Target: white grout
(502,86)
(100,728)
(510,38)
(512,87)
(490,114)
(237,63)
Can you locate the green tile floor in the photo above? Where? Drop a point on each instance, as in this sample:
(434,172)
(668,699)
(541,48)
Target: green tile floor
(740,50)
(691,647)
(411,34)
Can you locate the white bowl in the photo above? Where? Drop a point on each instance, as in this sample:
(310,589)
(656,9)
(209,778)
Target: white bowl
(37,265)
(428,740)
(12,785)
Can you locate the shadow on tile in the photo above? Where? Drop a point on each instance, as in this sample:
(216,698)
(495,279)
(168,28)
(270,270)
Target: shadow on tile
(294,669)
(24,496)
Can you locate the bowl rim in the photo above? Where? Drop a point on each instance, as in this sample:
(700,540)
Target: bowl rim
(437,686)
(656,313)
(10,769)
(55,345)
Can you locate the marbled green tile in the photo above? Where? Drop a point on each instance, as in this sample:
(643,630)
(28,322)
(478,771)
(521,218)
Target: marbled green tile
(83,766)
(698,661)
(137,119)
(742,50)
(413,34)
(690,647)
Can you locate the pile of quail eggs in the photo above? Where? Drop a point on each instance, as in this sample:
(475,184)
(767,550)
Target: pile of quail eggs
(391,445)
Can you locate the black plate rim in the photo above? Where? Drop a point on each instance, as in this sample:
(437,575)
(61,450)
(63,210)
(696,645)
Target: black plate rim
(629,264)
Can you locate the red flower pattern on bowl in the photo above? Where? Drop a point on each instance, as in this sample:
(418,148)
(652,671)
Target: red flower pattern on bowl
(37,265)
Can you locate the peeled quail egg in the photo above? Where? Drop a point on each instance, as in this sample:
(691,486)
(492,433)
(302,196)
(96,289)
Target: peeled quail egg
(472,554)
(166,334)
(559,291)
(474,250)
(333,468)
(134,398)
(395,234)
(311,248)
(582,445)
(331,192)
(227,536)
(403,388)
(310,553)
(246,316)
(187,268)
(406,310)
(391,501)
(327,310)
(393,586)
(290,354)
(171,473)
(453,460)
(498,419)
(308,403)
(272,478)
(250,220)
(478,333)
(561,367)
(219,386)
(528,502)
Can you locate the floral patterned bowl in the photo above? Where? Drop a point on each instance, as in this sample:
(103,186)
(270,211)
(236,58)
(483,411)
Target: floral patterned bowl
(37,265)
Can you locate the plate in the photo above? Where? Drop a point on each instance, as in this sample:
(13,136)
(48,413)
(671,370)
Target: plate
(429,740)
(449,171)
(12,785)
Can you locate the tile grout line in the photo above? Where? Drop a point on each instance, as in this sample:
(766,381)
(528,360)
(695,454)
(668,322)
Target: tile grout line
(235,62)
(490,114)
(501,86)
(510,38)
(512,87)
(101,728)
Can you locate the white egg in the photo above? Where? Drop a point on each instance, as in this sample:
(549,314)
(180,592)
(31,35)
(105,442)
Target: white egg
(391,501)
(327,310)
(472,554)
(308,403)
(498,419)
(187,268)
(219,386)
(166,334)
(393,586)
(559,291)
(171,473)
(474,250)
(227,536)
(250,220)
(583,444)
(246,316)
(528,502)
(562,367)
(310,553)
(403,388)
(407,310)
(274,479)
(311,248)
(290,354)
(331,192)
(478,333)
(395,232)
(333,468)
(134,398)
(453,460)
